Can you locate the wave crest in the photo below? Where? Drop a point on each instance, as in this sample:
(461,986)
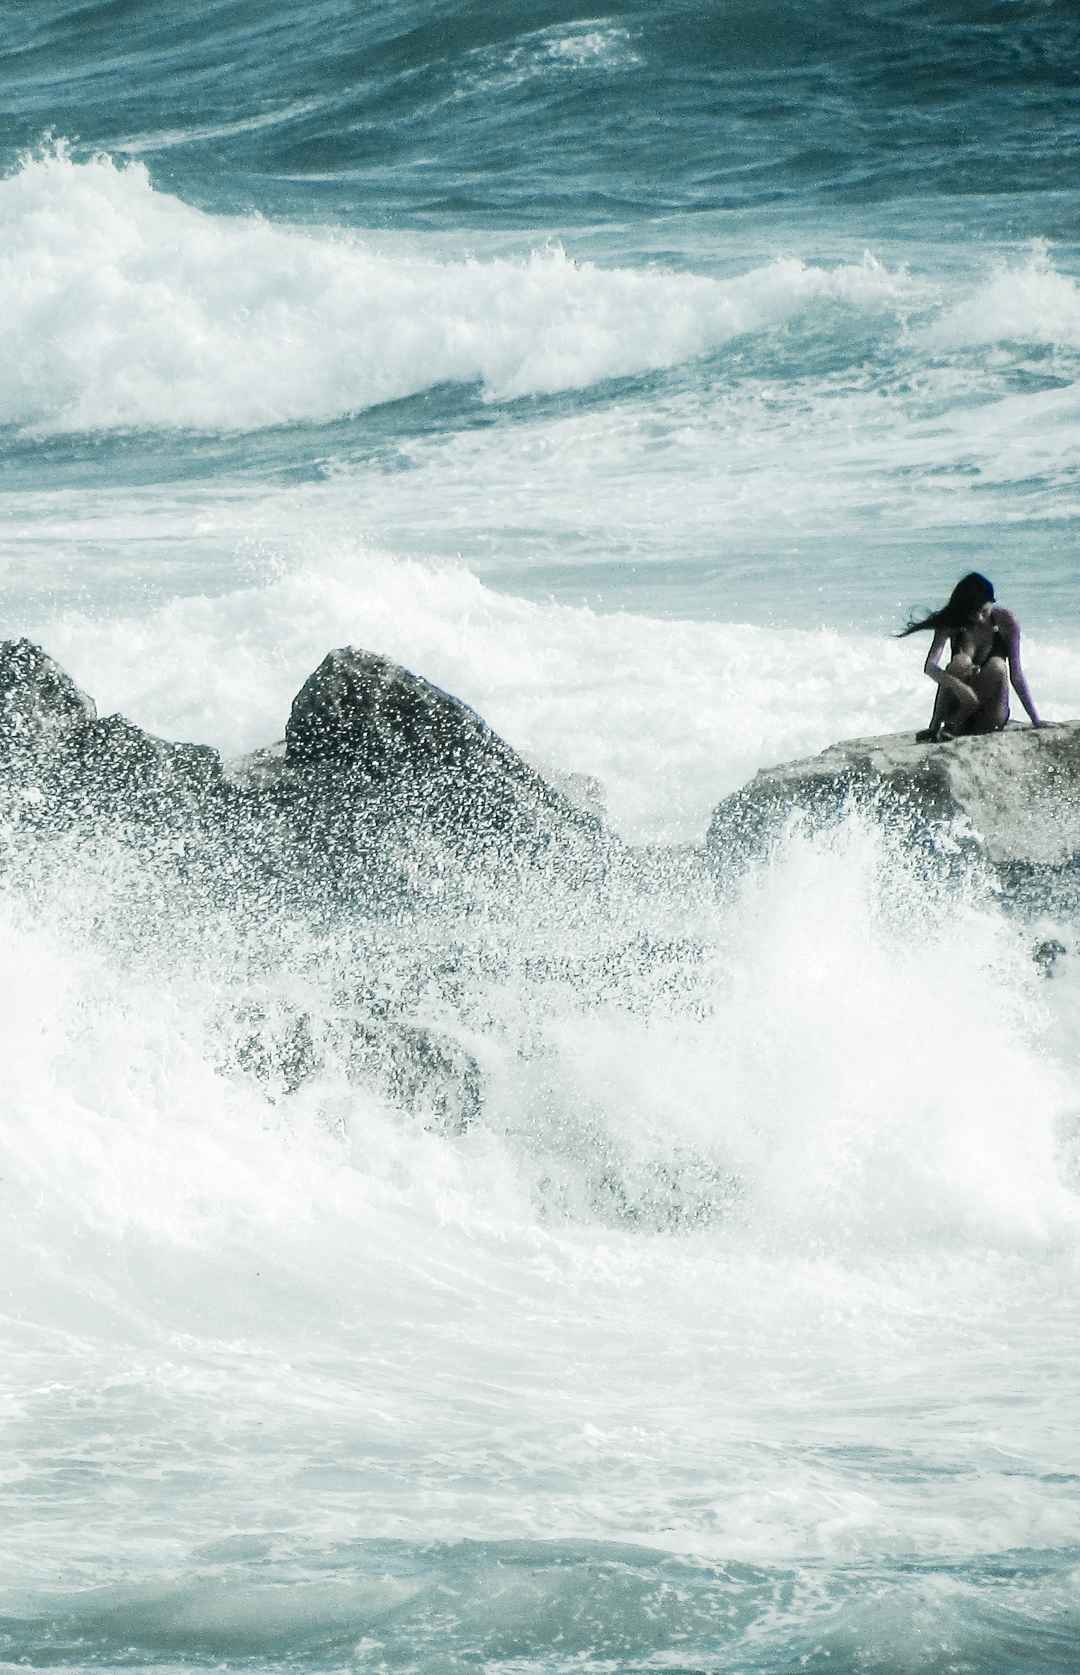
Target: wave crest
(125,307)
(1030,304)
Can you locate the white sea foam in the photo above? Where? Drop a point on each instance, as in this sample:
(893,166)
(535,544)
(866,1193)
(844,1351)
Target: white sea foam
(573,48)
(317,1299)
(611,48)
(122,306)
(162,139)
(1027,302)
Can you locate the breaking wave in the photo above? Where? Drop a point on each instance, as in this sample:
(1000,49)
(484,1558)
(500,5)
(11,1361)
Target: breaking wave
(125,307)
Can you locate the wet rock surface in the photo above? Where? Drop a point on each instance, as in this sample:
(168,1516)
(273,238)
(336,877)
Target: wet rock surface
(381,781)
(41,708)
(382,786)
(1015,795)
(423,1072)
(384,730)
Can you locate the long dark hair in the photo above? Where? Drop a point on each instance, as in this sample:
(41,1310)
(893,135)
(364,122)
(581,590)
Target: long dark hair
(965,602)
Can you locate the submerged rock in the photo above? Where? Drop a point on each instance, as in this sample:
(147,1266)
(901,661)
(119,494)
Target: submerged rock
(1016,793)
(423,1073)
(1046,955)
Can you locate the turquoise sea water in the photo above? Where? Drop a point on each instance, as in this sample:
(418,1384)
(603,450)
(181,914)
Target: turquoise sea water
(632,375)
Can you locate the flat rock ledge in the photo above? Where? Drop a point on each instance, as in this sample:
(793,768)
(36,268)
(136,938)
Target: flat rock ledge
(1015,795)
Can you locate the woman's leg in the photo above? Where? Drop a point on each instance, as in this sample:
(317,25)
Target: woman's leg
(949,711)
(937,718)
(991,684)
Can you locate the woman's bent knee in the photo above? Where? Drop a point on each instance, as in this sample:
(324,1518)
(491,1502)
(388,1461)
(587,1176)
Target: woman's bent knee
(993,690)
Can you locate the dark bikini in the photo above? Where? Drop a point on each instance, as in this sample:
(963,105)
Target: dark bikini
(998,647)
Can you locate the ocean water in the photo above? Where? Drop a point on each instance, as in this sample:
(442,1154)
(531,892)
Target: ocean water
(631,374)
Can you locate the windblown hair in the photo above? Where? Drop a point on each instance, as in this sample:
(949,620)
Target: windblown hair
(964,603)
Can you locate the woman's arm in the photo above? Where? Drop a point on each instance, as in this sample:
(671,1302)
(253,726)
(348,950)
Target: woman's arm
(968,698)
(1010,629)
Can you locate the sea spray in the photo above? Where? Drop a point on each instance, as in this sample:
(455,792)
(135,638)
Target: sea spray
(724,1140)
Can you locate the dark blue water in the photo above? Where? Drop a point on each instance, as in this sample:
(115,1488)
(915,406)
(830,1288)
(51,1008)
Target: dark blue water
(400,117)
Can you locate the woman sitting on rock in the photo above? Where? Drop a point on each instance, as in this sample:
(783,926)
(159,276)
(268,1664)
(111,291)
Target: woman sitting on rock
(984,640)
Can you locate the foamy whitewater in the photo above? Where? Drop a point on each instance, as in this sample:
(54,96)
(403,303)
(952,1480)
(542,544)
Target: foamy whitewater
(631,376)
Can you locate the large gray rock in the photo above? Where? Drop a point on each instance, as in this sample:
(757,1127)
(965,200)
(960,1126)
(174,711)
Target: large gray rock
(1016,793)
(124,762)
(384,789)
(418,751)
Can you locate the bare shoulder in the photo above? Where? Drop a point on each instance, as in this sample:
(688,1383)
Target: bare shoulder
(1005,620)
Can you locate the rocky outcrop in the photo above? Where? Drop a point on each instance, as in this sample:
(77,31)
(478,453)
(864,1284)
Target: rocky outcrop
(41,708)
(62,764)
(1015,794)
(386,797)
(418,752)
(127,768)
(380,776)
